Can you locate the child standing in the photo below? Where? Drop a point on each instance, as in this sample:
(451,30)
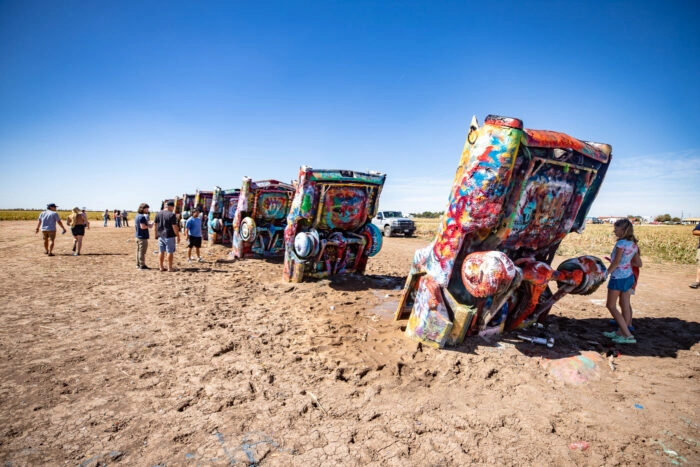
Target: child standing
(624,255)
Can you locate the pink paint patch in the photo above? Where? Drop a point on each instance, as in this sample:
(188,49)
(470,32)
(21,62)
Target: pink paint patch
(575,370)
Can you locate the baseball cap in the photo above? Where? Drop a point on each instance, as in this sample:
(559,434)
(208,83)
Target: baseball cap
(51,205)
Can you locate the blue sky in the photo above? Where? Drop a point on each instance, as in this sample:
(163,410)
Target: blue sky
(110,104)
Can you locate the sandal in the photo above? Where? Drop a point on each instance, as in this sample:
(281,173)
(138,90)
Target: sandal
(624,340)
(611,334)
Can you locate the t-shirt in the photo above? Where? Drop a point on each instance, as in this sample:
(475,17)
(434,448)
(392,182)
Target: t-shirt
(628,249)
(48,220)
(194,226)
(141,233)
(697,227)
(165,220)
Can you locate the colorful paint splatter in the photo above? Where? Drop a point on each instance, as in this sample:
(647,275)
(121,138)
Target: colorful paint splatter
(329,229)
(516,194)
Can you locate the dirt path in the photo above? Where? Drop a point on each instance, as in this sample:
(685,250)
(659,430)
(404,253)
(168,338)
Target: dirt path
(223,363)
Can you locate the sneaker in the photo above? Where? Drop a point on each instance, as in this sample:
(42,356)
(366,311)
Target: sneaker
(144,267)
(694,285)
(624,340)
(200,260)
(189,260)
(76,254)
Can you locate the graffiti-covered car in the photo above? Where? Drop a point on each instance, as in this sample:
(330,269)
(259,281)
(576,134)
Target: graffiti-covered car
(329,229)
(183,207)
(223,210)
(260,218)
(516,194)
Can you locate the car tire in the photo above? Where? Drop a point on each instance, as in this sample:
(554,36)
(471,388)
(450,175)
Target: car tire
(387,231)
(409,234)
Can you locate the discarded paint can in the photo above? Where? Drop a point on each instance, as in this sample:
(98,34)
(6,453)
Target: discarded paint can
(549,342)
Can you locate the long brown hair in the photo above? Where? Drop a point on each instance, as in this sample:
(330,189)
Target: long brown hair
(627,229)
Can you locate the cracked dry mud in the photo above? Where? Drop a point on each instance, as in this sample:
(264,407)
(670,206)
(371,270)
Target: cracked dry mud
(223,363)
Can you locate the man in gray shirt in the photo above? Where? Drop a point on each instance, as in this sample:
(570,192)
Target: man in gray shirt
(47,223)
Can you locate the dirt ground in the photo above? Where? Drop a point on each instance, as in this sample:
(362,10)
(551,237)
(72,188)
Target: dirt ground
(223,363)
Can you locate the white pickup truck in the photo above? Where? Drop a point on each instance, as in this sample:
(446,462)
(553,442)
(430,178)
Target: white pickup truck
(392,222)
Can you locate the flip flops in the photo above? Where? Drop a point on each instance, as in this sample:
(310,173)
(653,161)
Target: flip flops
(613,322)
(624,340)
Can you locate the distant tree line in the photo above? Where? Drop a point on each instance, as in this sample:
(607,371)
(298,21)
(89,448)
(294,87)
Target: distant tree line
(667,218)
(428,214)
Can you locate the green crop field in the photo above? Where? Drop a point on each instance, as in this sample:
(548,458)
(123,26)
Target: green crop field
(666,243)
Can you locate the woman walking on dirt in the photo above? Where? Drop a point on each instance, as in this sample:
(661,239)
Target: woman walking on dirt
(78,223)
(625,254)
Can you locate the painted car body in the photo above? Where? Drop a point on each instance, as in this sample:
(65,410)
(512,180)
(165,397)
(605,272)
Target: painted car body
(223,210)
(329,229)
(260,218)
(183,207)
(516,194)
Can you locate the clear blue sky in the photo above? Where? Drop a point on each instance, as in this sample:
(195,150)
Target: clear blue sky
(107,104)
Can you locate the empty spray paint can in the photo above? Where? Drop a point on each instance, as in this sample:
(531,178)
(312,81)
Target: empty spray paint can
(548,341)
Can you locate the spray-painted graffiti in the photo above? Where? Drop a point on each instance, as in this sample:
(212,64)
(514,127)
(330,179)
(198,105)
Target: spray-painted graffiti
(516,194)
(221,214)
(260,218)
(329,229)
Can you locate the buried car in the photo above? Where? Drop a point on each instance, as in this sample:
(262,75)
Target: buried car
(329,229)
(516,194)
(223,210)
(260,218)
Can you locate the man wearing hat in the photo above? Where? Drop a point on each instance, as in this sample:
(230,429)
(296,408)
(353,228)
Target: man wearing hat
(47,223)
(166,231)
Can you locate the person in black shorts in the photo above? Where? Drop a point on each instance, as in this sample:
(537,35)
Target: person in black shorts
(193,234)
(78,223)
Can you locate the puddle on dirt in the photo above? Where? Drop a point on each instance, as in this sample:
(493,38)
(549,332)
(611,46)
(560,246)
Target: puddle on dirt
(386,307)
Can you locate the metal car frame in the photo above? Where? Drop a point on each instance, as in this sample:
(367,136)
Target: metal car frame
(260,218)
(329,229)
(221,215)
(516,194)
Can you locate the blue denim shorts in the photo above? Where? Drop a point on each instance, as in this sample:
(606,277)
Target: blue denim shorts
(623,285)
(166,245)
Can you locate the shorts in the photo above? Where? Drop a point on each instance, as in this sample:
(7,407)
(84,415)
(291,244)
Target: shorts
(194,242)
(697,258)
(166,245)
(49,234)
(623,285)
(78,230)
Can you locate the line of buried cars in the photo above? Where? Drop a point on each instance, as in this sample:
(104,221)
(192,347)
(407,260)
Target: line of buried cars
(516,194)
